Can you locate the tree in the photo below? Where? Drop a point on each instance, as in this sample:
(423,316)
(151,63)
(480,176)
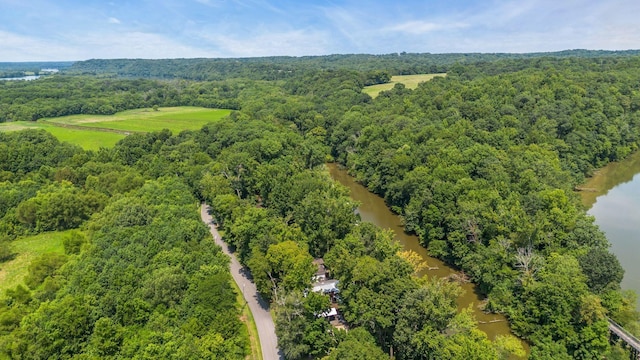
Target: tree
(46,265)
(59,328)
(357,345)
(73,242)
(602,268)
(291,265)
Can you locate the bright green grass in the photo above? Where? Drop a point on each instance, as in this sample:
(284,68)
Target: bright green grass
(247,319)
(13,272)
(87,139)
(410,81)
(175,119)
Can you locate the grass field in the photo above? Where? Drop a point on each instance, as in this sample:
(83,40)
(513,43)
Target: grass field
(87,139)
(410,81)
(92,132)
(247,319)
(175,119)
(26,249)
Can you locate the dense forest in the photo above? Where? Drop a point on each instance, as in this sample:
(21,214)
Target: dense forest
(282,67)
(481,165)
(18,69)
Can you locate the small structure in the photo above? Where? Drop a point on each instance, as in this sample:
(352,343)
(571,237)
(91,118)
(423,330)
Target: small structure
(321,273)
(331,314)
(326,287)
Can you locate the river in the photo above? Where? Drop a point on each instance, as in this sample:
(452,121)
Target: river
(373,209)
(612,196)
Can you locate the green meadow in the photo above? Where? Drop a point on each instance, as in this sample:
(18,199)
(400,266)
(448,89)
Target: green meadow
(410,81)
(86,138)
(92,132)
(13,272)
(175,119)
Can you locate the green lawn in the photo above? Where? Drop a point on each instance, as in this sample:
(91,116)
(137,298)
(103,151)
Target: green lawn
(26,249)
(410,81)
(87,139)
(175,119)
(85,134)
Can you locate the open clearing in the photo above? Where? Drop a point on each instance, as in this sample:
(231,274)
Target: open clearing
(27,249)
(87,139)
(175,119)
(410,81)
(92,132)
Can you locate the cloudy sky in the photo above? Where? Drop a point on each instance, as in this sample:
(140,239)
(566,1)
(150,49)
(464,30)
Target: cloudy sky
(47,30)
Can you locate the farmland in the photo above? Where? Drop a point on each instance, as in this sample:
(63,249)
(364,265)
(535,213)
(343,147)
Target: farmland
(92,132)
(410,81)
(175,119)
(88,139)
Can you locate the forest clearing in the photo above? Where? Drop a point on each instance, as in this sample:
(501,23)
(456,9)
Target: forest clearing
(409,81)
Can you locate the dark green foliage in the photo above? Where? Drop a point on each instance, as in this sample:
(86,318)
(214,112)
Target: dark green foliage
(602,268)
(63,95)
(160,278)
(281,67)
(480,164)
(358,345)
(42,267)
(300,331)
(56,329)
(5,251)
(25,151)
(59,206)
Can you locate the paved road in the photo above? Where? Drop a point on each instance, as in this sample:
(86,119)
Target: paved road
(259,308)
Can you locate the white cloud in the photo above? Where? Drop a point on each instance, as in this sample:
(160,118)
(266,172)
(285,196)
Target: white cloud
(113,20)
(97,45)
(293,43)
(136,45)
(357,27)
(25,48)
(423,27)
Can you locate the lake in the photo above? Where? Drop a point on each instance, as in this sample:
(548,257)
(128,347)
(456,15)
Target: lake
(613,198)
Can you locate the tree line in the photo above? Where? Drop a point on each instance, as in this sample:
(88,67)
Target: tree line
(480,164)
(287,67)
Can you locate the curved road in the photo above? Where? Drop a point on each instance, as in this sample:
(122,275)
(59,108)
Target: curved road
(259,308)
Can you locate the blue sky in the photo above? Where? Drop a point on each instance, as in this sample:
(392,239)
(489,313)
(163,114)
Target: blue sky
(47,30)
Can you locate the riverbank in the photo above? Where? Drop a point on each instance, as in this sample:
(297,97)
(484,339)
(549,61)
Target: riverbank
(607,178)
(615,204)
(373,209)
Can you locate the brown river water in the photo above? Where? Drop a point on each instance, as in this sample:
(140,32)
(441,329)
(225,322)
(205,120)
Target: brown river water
(373,209)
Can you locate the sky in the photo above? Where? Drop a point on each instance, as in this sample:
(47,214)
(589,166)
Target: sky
(56,30)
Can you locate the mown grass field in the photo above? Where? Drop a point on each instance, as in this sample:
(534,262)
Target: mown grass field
(175,119)
(87,139)
(92,132)
(410,81)
(27,249)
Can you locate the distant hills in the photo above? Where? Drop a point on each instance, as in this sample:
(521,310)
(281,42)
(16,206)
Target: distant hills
(280,67)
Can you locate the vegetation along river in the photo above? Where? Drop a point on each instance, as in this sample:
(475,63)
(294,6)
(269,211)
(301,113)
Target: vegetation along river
(612,196)
(373,209)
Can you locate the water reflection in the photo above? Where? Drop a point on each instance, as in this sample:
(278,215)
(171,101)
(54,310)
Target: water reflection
(614,201)
(373,209)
